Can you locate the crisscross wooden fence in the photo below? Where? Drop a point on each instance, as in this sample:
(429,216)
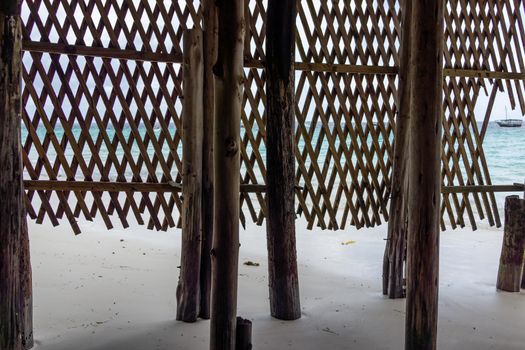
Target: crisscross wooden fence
(102,107)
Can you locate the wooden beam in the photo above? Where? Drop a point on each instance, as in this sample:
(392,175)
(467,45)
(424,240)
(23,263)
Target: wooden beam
(229,75)
(126,54)
(395,250)
(483,74)
(482,188)
(210,56)
(101,186)
(280,160)
(424,174)
(188,289)
(12,272)
(102,52)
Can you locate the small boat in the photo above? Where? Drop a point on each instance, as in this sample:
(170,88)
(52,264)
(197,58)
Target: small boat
(509,123)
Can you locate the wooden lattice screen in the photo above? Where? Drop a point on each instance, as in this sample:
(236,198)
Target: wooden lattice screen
(102,105)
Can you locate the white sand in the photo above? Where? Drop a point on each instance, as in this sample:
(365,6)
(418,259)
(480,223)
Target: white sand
(96,292)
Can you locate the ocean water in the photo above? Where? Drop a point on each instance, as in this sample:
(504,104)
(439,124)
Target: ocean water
(505,153)
(504,150)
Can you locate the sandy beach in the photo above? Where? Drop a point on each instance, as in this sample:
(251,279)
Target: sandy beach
(116,290)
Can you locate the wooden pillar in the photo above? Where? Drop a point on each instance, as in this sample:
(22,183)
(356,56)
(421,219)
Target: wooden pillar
(395,251)
(244,334)
(210,55)
(280,159)
(188,290)
(510,271)
(12,247)
(424,175)
(229,78)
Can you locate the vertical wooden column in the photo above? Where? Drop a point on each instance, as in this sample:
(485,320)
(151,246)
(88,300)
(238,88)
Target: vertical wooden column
(510,270)
(11,187)
(424,175)
(188,289)
(229,78)
(395,251)
(210,55)
(280,159)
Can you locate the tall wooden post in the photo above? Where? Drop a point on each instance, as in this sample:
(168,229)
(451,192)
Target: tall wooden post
(210,55)
(395,251)
(188,290)
(280,159)
(228,73)
(424,175)
(510,270)
(12,327)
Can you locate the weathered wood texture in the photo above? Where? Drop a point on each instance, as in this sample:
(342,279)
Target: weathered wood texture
(26,286)
(228,72)
(210,55)
(244,334)
(188,289)
(395,250)
(11,189)
(511,261)
(280,160)
(424,175)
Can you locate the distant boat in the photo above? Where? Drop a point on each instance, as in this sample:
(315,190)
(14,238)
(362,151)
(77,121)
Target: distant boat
(509,123)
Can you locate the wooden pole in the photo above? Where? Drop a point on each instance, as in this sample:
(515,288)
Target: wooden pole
(229,78)
(244,334)
(188,290)
(210,56)
(11,185)
(280,160)
(510,271)
(395,251)
(424,175)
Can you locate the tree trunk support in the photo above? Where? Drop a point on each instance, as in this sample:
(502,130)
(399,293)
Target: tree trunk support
(424,174)
(210,56)
(229,76)
(15,269)
(188,289)
(280,160)
(510,273)
(395,251)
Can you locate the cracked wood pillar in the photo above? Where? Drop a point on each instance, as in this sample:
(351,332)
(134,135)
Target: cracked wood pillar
(395,251)
(210,55)
(15,268)
(188,289)
(229,76)
(424,175)
(280,160)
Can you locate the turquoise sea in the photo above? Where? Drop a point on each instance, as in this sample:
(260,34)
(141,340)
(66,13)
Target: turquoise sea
(504,149)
